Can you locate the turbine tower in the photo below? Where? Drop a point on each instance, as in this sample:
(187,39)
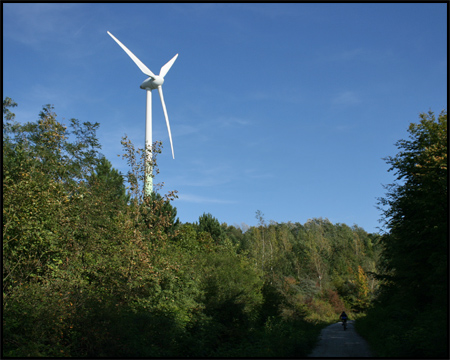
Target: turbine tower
(151,83)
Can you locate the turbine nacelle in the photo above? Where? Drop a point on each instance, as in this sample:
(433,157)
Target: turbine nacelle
(152,83)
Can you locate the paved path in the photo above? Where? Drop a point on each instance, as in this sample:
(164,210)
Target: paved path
(335,342)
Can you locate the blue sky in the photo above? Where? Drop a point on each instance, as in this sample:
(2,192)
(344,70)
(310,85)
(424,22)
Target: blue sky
(284,108)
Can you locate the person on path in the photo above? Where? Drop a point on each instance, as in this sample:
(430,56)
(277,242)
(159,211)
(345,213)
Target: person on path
(344,318)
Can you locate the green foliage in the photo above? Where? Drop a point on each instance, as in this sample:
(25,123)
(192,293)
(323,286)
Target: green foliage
(188,239)
(208,223)
(417,209)
(232,287)
(414,257)
(278,338)
(161,214)
(110,181)
(92,268)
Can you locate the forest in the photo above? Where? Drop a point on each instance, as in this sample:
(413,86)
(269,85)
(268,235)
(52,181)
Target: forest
(93,268)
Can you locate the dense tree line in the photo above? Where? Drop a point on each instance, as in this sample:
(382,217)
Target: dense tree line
(92,267)
(410,316)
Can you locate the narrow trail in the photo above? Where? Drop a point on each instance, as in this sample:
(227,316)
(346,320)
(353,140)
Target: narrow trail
(335,342)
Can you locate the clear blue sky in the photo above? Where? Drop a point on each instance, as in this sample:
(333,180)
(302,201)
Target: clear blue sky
(284,108)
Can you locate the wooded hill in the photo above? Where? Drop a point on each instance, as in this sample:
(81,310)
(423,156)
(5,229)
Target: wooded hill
(94,269)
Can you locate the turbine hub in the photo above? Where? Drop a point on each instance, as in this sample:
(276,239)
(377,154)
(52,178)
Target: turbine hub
(152,83)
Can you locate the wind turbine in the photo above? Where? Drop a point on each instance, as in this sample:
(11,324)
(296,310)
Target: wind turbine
(151,83)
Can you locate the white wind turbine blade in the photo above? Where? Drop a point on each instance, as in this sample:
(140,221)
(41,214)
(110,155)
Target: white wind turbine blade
(165,69)
(167,117)
(138,62)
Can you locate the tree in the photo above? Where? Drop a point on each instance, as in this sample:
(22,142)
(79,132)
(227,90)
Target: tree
(48,214)
(43,175)
(79,263)
(413,266)
(161,214)
(361,283)
(210,224)
(111,181)
(231,288)
(8,117)
(234,234)
(318,248)
(417,216)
